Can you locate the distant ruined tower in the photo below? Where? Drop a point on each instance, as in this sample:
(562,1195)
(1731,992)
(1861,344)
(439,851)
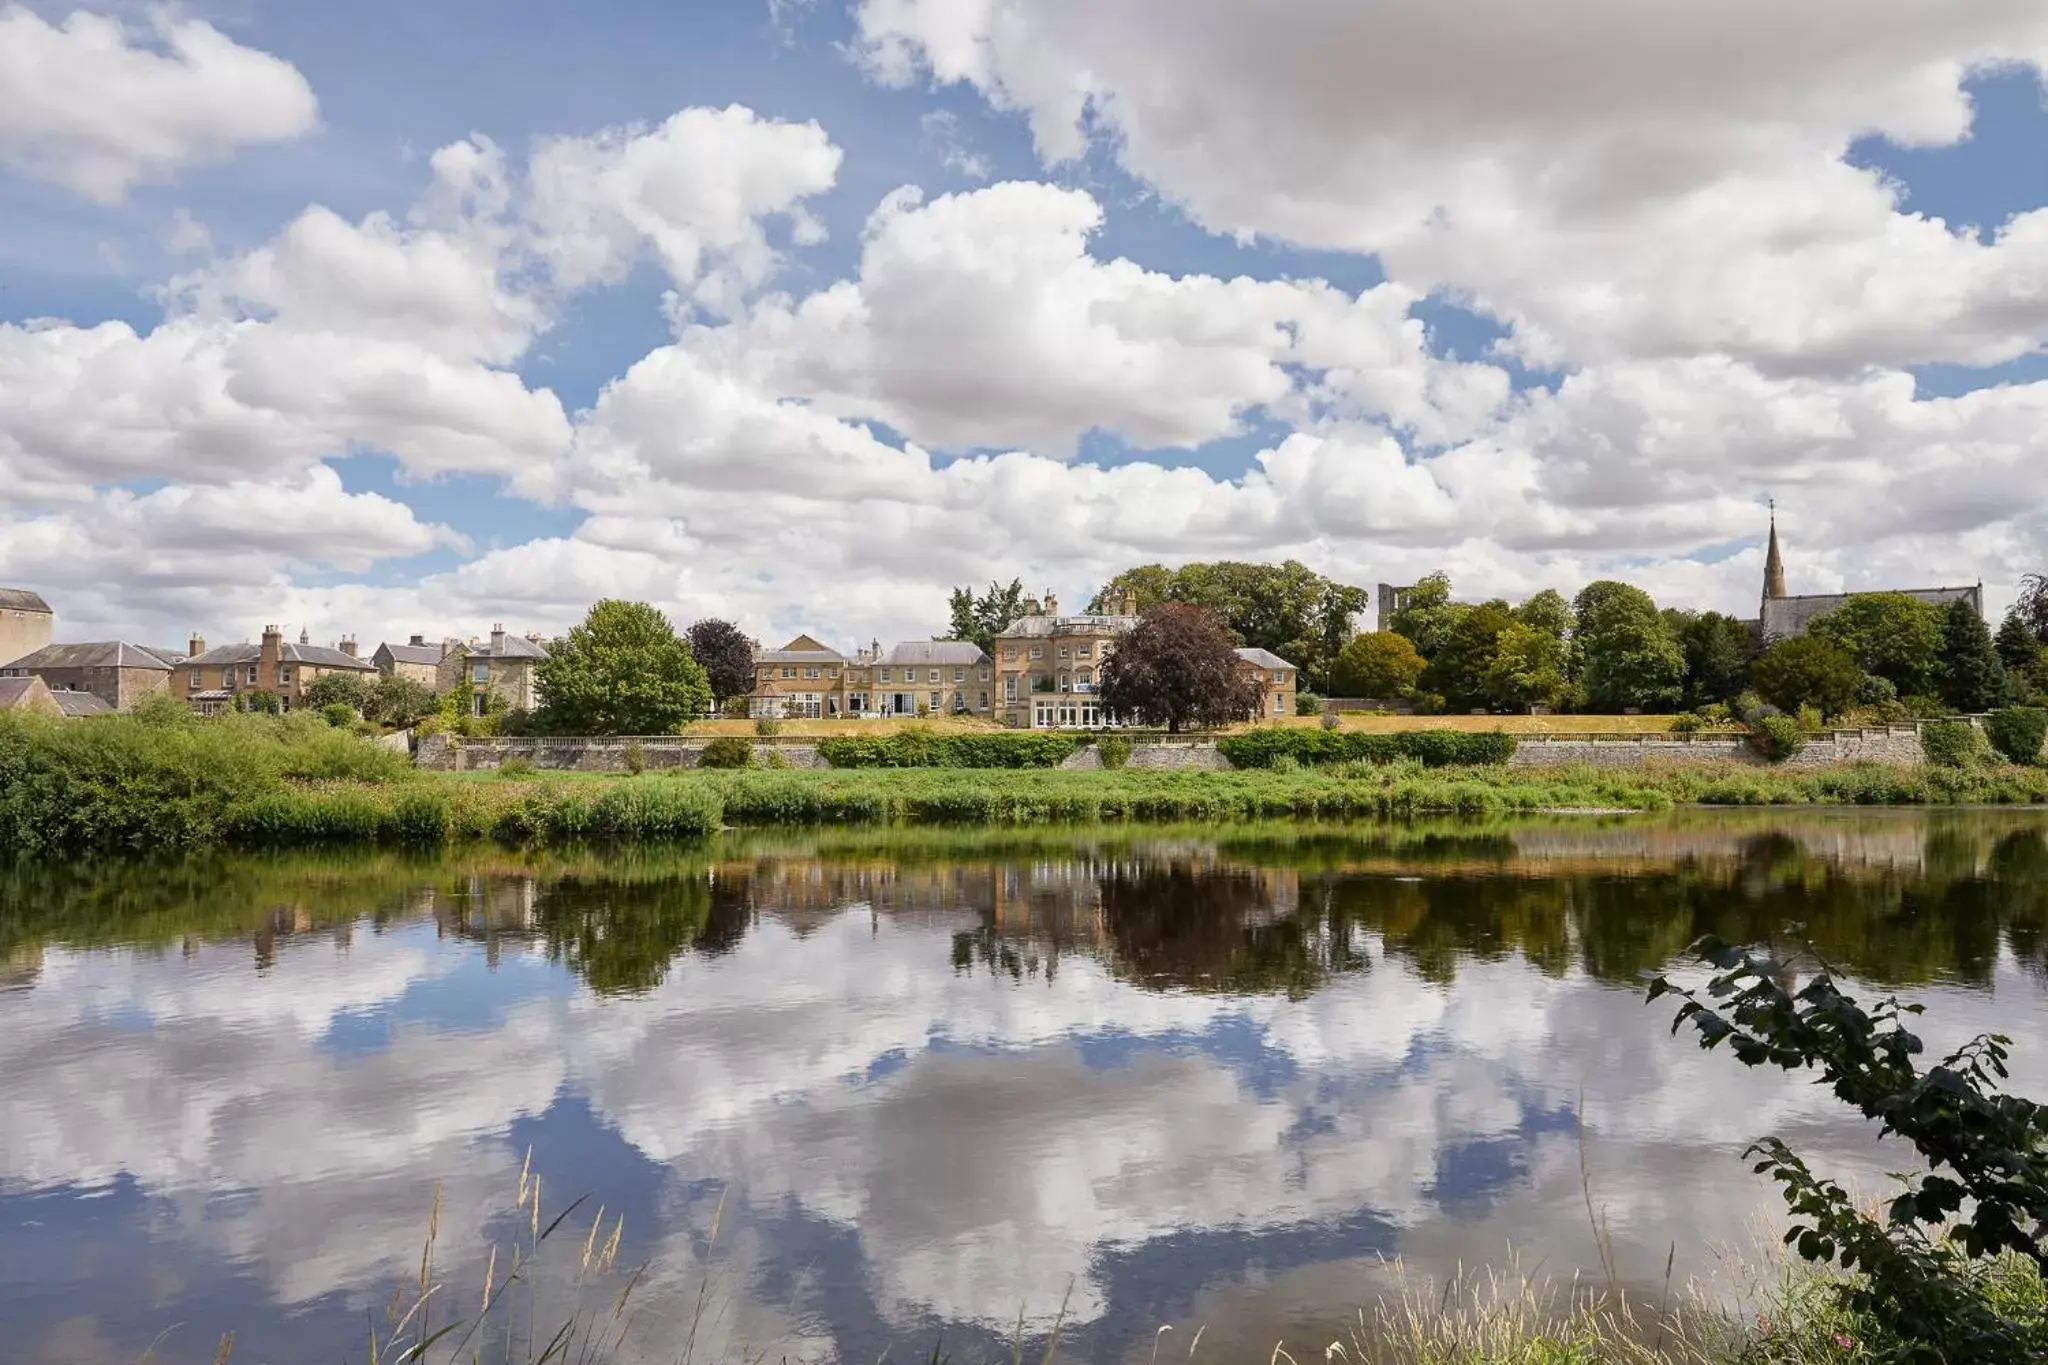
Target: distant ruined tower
(1774,563)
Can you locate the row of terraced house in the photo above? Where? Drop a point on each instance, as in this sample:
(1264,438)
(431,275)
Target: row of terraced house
(94,677)
(1042,672)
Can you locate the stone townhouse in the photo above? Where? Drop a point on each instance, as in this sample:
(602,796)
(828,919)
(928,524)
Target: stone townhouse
(25,621)
(940,677)
(1278,681)
(809,680)
(1047,666)
(118,673)
(211,679)
(805,680)
(503,666)
(415,659)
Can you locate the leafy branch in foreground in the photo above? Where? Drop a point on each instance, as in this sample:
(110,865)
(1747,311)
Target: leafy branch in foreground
(1920,1270)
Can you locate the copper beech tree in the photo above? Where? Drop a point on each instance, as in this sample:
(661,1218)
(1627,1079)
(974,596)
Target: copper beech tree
(1178,667)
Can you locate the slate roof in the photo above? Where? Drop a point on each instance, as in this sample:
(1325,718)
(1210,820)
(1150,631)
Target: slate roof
(12,690)
(75,704)
(1030,626)
(799,656)
(411,654)
(21,599)
(98,654)
(954,653)
(317,656)
(515,647)
(1263,658)
(1787,617)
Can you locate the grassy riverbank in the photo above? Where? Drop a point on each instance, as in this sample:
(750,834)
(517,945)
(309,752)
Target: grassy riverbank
(131,785)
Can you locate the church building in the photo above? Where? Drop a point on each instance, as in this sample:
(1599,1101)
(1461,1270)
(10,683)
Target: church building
(1785,616)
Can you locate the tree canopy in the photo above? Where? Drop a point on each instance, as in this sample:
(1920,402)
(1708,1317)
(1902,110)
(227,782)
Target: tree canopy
(1178,667)
(624,671)
(727,656)
(1287,608)
(1528,668)
(1623,650)
(1427,614)
(1457,671)
(1717,651)
(982,618)
(1378,664)
(1972,676)
(1807,671)
(1894,636)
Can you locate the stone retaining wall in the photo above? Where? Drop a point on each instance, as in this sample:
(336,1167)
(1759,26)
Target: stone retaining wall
(1885,744)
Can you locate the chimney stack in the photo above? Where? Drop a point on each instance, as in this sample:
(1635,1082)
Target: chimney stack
(1031,606)
(1130,603)
(196,646)
(498,637)
(269,656)
(348,645)
(418,640)
(1052,604)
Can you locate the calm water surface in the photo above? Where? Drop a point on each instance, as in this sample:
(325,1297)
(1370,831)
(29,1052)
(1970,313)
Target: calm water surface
(855,1091)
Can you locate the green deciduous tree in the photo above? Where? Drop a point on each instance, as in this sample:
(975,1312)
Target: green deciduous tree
(1287,608)
(1377,664)
(337,689)
(1807,671)
(1717,650)
(1890,634)
(1623,651)
(624,671)
(1459,668)
(398,701)
(2024,657)
(1548,612)
(982,618)
(1178,667)
(727,656)
(1972,677)
(1427,614)
(1528,668)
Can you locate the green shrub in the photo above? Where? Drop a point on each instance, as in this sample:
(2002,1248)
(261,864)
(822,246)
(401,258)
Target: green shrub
(666,808)
(922,749)
(727,751)
(1811,720)
(1115,750)
(1776,738)
(418,818)
(1432,748)
(516,770)
(339,714)
(1332,721)
(1688,723)
(636,759)
(767,727)
(1951,743)
(2017,733)
(1307,704)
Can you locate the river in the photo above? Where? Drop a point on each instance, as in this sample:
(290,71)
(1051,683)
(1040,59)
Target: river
(857,1092)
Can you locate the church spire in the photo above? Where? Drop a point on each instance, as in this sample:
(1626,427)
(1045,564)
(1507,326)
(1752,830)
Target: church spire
(1774,562)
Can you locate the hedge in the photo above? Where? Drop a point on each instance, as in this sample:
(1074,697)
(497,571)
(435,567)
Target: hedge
(910,749)
(1434,748)
(2018,732)
(1951,743)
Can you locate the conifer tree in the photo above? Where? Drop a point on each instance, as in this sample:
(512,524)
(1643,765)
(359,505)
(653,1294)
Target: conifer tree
(1972,677)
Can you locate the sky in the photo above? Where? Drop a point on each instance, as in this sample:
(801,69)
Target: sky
(384,319)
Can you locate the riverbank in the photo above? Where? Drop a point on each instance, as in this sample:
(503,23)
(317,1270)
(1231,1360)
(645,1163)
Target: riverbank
(133,786)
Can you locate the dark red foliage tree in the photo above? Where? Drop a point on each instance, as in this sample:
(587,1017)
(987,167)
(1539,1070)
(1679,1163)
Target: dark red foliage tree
(1178,667)
(726,654)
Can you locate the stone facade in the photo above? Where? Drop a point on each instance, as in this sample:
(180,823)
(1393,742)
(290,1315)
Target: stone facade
(503,666)
(1884,744)
(29,694)
(809,680)
(415,659)
(1278,681)
(118,673)
(210,679)
(25,622)
(1047,665)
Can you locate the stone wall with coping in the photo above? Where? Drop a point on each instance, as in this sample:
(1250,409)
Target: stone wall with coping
(1878,744)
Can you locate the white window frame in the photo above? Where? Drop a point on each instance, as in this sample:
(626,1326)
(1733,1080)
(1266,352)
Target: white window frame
(789,671)
(1038,651)
(934,676)
(959,675)
(480,673)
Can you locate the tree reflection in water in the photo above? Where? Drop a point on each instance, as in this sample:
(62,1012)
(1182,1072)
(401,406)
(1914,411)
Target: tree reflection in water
(1899,898)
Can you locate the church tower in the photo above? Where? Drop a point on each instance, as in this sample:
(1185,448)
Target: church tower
(1774,564)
